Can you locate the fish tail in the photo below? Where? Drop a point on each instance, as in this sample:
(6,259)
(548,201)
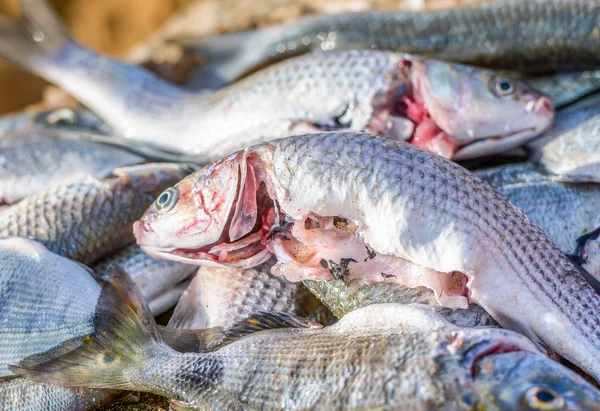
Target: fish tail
(125,340)
(34,41)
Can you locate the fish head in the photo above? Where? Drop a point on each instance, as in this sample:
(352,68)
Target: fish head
(202,221)
(524,381)
(476,112)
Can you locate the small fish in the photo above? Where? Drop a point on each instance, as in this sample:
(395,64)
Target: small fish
(87,221)
(457,111)
(32,161)
(342,299)
(223,296)
(528,36)
(380,356)
(564,211)
(367,210)
(161,282)
(570,150)
(566,88)
(21,394)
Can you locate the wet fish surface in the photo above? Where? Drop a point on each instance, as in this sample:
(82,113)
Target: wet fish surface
(67,118)
(223,296)
(34,161)
(86,221)
(567,88)
(409,357)
(570,150)
(448,108)
(528,36)
(439,219)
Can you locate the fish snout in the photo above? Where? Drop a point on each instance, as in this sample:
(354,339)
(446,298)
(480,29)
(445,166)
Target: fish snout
(142,231)
(544,107)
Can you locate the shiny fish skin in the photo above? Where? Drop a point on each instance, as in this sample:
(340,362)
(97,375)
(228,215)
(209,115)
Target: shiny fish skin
(20,394)
(529,36)
(221,297)
(341,300)
(384,356)
(406,205)
(70,119)
(566,88)
(570,150)
(156,279)
(564,211)
(36,160)
(86,221)
(457,106)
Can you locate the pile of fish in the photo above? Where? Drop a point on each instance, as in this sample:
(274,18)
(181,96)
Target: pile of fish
(297,221)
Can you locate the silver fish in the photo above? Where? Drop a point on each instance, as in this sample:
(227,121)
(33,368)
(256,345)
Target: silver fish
(570,150)
(371,210)
(384,356)
(528,36)
(36,160)
(161,282)
(566,88)
(457,111)
(71,119)
(222,297)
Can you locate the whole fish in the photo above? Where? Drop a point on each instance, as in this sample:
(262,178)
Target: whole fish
(223,296)
(32,161)
(368,210)
(529,36)
(382,356)
(564,211)
(342,299)
(570,150)
(87,221)
(161,282)
(457,111)
(21,394)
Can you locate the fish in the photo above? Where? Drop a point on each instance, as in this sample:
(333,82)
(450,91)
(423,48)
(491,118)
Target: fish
(21,394)
(566,88)
(365,210)
(161,282)
(564,211)
(527,36)
(342,299)
(88,220)
(34,161)
(570,150)
(457,111)
(408,358)
(223,296)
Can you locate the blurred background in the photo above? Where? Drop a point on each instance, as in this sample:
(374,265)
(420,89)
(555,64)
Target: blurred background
(135,30)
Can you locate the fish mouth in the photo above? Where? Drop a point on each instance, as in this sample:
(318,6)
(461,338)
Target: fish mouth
(495,144)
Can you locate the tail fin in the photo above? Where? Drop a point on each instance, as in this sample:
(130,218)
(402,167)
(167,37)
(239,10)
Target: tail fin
(124,334)
(33,41)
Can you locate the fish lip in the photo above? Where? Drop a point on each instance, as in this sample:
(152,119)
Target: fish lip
(488,145)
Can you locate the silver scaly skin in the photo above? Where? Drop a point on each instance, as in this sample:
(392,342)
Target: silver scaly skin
(528,36)
(397,95)
(385,356)
(566,88)
(376,210)
(88,220)
(32,161)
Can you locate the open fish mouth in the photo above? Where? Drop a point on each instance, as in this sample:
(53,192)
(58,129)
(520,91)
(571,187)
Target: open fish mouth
(495,144)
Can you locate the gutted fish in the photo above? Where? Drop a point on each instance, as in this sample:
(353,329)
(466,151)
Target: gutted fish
(223,296)
(529,36)
(570,150)
(369,210)
(381,356)
(564,211)
(160,282)
(37,160)
(89,220)
(457,111)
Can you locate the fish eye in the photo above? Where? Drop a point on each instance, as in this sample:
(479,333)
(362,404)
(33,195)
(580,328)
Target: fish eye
(544,398)
(503,87)
(167,199)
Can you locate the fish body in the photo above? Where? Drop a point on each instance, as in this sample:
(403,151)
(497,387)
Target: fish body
(449,108)
(528,36)
(34,161)
(570,150)
(564,211)
(566,88)
(88,220)
(369,210)
(381,356)
(71,119)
